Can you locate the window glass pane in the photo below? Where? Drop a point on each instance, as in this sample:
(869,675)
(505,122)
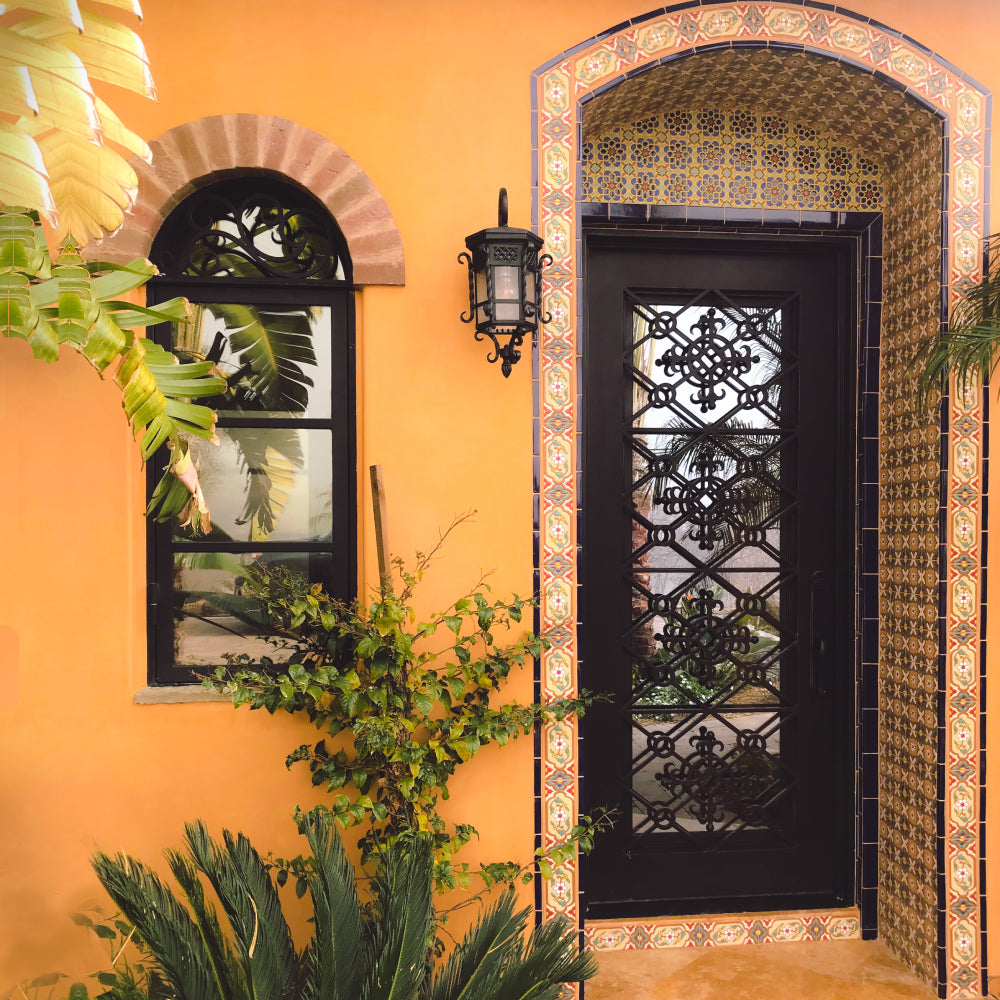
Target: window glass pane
(212,614)
(267,484)
(282,354)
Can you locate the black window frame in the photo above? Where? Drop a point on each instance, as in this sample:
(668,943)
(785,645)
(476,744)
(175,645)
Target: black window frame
(161,545)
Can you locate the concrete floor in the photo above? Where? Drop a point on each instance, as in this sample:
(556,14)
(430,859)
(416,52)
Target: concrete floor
(823,970)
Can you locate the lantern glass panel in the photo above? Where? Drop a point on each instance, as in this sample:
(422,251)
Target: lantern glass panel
(507,292)
(482,298)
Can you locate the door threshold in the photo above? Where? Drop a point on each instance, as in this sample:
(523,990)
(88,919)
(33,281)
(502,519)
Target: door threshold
(716,929)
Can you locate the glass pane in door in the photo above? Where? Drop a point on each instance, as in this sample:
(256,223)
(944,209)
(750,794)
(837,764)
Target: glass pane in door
(712,503)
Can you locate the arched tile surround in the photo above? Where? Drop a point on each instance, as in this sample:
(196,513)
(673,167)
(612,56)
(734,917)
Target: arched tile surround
(607,74)
(196,153)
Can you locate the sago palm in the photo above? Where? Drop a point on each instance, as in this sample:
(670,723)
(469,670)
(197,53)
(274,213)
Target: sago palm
(377,951)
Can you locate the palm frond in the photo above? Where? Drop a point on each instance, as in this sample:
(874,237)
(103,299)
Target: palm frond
(473,968)
(251,903)
(685,451)
(274,344)
(270,457)
(336,960)
(165,927)
(969,349)
(233,982)
(970,353)
(402,927)
(552,957)
(752,499)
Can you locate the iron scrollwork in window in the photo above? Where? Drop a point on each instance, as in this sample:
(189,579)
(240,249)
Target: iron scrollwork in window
(713,456)
(703,639)
(246,230)
(714,787)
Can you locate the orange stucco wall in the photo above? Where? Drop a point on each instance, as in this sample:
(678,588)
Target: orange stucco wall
(432,101)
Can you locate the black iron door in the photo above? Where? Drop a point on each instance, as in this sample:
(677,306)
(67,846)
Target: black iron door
(717,573)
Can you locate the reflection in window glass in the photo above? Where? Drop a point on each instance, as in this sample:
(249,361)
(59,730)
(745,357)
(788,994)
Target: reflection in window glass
(281,355)
(214,616)
(267,484)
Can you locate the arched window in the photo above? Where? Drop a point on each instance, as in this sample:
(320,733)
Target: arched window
(269,277)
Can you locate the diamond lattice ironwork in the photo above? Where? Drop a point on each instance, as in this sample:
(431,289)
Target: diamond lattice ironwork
(712,503)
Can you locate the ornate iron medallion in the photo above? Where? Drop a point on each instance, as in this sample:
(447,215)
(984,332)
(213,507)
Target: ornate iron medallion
(710,360)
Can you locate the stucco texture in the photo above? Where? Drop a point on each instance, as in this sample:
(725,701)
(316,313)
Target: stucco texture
(432,102)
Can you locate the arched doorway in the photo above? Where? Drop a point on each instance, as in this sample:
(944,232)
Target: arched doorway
(710,60)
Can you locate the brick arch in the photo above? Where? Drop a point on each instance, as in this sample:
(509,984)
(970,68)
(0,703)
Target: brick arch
(580,78)
(196,153)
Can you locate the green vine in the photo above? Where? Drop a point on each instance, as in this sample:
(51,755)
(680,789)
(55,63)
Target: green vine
(399,710)
(121,978)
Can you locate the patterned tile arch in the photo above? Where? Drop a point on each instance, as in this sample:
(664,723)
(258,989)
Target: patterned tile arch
(614,63)
(817,94)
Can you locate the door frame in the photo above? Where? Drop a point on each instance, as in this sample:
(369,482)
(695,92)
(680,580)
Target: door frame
(845,248)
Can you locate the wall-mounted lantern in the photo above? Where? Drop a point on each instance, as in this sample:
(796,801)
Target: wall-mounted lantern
(505,286)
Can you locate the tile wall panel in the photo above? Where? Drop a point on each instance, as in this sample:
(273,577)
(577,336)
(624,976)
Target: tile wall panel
(735,158)
(909,534)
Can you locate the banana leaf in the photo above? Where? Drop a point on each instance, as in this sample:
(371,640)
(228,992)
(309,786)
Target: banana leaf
(69,303)
(63,151)
(274,346)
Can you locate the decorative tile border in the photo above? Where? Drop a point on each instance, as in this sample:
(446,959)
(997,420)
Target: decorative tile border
(962,721)
(724,929)
(559,87)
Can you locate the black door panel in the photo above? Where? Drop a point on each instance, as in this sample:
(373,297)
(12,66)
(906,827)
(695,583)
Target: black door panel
(717,574)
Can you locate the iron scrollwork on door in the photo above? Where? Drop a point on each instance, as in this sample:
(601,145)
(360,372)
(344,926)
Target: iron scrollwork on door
(701,639)
(716,787)
(712,504)
(709,360)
